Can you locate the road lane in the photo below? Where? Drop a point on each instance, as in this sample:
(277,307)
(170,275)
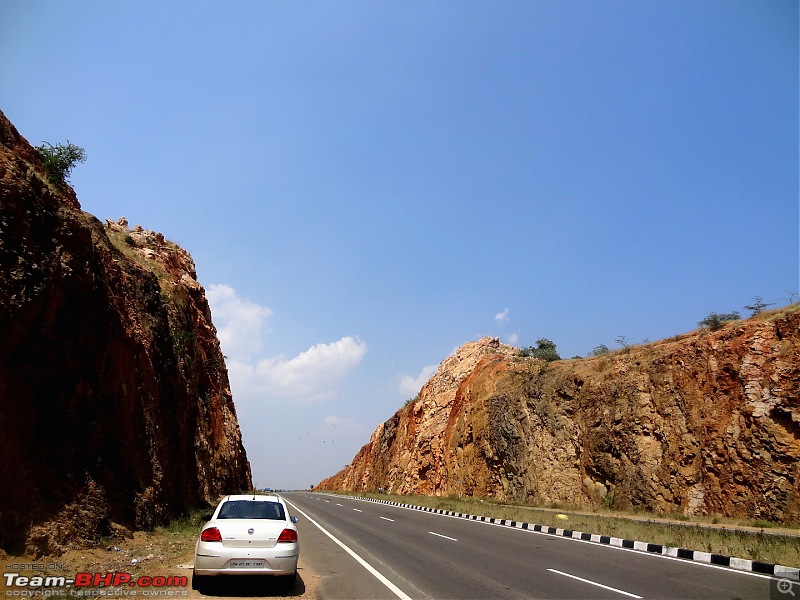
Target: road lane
(337,575)
(428,566)
(364,563)
(481,560)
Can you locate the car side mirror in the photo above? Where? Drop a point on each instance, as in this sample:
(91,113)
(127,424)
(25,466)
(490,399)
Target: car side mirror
(294,519)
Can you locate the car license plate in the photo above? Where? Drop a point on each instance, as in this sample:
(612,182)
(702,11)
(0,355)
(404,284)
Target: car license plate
(247,564)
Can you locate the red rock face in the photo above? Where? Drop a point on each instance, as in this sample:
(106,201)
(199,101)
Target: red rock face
(115,407)
(708,423)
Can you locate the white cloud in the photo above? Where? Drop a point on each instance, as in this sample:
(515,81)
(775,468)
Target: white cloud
(307,377)
(502,317)
(411,386)
(513,339)
(238,321)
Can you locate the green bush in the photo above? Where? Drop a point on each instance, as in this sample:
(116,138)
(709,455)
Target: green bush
(599,350)
(411,400)
(544,350)
(59,160)
(715,321)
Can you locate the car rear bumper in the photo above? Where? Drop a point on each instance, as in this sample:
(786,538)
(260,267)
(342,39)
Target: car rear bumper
(284,563)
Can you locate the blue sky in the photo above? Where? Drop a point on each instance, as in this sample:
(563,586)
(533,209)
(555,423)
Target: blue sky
(365,186)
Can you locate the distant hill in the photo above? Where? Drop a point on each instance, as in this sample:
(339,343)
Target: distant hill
(705,423)
(115,407)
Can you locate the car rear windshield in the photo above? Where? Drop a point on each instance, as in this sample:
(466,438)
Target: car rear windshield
(249,509)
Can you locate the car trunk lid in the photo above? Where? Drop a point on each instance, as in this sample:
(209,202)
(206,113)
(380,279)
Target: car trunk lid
(249,533)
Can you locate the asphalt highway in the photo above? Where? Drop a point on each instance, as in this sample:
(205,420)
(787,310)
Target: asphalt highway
(372,550)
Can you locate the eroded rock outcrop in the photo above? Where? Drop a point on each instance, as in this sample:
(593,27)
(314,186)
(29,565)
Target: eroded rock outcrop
(706,423)
(115,407)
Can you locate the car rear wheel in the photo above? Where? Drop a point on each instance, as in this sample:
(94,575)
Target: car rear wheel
(199,582)
(288,582)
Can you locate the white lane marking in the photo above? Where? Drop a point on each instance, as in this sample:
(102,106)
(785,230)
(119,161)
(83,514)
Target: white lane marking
(395,590)
(447,537)
(358,510)
(387,519)
(337,504)
(605,587)
(683,561)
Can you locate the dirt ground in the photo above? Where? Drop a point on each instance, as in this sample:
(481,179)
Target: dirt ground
(157,554)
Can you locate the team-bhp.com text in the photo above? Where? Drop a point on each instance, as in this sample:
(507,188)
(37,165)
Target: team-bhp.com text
(96,584)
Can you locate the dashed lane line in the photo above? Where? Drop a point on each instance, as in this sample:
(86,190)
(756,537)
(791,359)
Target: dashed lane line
(377,574)
(590,582)
(447,537)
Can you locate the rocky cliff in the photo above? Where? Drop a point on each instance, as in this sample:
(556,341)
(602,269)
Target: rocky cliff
(115,407)
(706,423)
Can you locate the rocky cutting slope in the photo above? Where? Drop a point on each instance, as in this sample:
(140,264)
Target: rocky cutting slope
(707,423)
(115,407)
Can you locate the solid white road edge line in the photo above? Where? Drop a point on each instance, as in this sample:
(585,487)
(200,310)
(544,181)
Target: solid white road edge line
(392,587)
(561,537)
(605,587)
(447,537)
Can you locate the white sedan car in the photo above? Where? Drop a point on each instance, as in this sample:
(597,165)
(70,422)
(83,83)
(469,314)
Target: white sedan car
(248,535)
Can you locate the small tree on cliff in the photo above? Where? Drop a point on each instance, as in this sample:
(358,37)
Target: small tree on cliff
(715,321)
(599,350)
(59,160)
(544,350)
(757,306)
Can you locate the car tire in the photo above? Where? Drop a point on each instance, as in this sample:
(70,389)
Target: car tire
(199,582)
(287,583)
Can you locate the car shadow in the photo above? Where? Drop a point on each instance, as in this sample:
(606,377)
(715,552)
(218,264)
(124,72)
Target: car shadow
(252,586)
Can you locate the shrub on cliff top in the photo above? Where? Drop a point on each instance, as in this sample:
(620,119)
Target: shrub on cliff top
(715,321)
(757,306)
(544,350)
(59,160)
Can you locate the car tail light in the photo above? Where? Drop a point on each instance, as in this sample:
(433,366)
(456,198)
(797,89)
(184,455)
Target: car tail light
(211,534)
(287,535)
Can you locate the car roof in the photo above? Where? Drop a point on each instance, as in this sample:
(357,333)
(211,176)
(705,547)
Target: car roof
(254,497)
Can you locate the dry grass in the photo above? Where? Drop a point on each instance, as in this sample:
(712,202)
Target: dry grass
(118,238)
